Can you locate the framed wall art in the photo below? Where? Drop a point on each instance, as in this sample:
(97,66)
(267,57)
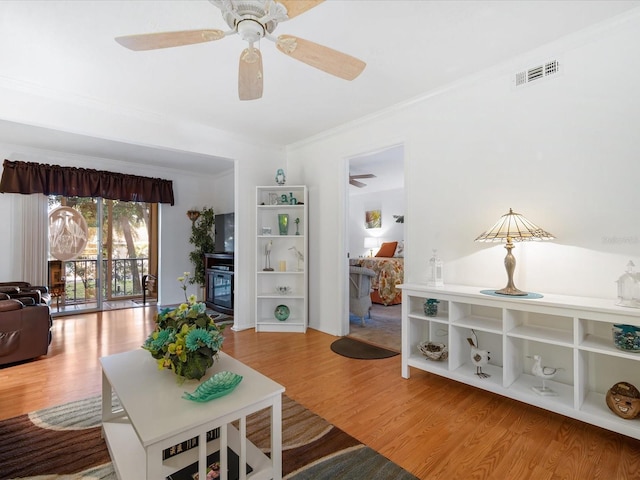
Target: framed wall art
(373,219)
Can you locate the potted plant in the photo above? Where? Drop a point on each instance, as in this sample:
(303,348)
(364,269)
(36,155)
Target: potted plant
(185,340)
(202,239)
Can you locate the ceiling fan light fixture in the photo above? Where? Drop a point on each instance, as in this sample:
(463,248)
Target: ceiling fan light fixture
(266,13)
(250,30)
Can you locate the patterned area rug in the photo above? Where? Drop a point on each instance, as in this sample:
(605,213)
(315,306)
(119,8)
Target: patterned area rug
(64,443)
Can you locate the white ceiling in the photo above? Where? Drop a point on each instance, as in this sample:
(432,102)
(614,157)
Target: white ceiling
(410,47)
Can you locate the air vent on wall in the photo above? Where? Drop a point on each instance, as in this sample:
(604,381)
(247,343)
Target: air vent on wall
(537,73)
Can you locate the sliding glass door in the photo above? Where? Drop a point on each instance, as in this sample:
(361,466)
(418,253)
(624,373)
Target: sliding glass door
(100,251)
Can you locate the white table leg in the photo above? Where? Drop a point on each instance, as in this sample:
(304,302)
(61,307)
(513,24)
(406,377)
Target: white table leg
(224,461)
(154,462)
(243,449)
(276,437)
(106,398)
(202,456)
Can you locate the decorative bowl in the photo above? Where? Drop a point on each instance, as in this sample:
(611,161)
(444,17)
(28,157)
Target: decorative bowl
(218,385)
(283,289)
(434,351)
(623,399)
(626,337)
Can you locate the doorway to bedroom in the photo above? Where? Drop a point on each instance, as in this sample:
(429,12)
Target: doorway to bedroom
(375,242)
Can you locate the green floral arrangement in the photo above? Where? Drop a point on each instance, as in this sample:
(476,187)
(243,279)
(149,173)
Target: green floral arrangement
(186,340)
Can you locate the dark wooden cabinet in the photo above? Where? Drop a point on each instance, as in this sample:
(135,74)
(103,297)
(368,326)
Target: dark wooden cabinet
(219,284)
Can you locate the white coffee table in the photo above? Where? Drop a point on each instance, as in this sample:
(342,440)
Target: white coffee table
(154,417)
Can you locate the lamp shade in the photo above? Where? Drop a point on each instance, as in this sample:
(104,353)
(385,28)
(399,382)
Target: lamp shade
(516,227)
(512,227)
(370,242)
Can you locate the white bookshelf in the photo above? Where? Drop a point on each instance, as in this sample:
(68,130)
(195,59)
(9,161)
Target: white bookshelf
(293,273)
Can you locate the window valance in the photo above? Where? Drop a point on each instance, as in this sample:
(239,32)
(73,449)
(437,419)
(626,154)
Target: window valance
(31,177)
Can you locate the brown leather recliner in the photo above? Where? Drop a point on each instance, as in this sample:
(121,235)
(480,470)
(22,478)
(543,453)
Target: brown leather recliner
(19,289)
(25,331)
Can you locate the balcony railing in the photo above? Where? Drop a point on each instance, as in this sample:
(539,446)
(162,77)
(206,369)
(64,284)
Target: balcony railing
(122,278)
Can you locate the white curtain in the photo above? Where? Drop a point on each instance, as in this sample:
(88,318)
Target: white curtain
(35,239)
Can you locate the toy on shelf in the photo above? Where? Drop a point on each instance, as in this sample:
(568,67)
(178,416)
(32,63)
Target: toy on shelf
(478,357)
(299,257)
(545,373)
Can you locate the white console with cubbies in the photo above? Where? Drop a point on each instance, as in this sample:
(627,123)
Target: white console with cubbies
(572,333)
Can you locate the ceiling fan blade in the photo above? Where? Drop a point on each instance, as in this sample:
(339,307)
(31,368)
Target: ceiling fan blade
(366,175)
(356,183)
(250,74)
(153,41)
(297,7)
(321,57)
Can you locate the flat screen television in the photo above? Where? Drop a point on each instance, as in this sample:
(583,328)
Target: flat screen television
(223,229)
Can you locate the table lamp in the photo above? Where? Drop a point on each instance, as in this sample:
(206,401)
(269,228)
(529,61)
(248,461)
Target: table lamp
(512,227)
(370,243)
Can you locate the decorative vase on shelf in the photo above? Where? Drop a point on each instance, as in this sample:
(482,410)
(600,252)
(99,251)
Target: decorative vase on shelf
(283,223)
(629,288)
(281,312)
(431,307)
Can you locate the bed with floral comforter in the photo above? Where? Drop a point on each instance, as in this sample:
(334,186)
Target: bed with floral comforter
(389,273)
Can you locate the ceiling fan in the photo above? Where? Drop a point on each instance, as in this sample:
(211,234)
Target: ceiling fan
(253,20)
(356,183)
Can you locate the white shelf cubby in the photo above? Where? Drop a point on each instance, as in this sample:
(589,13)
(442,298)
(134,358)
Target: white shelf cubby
(573,334)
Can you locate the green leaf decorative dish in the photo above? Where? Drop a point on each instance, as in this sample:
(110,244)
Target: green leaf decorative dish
(217,386)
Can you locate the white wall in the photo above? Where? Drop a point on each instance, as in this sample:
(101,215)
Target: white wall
(390,202)
(223,193)
(563,152)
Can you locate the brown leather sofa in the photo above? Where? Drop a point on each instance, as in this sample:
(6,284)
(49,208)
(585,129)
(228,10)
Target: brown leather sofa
(21,290)
(25,331)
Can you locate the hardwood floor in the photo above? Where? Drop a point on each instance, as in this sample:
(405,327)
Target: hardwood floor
(433,427)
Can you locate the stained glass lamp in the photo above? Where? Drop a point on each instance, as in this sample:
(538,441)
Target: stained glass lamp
(513,227)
